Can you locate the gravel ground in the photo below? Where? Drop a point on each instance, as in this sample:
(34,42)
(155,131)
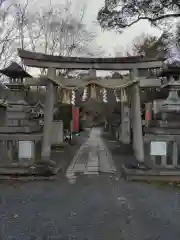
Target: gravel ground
(94,207)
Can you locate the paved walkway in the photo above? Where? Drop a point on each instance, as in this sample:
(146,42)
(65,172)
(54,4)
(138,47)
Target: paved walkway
(93,157)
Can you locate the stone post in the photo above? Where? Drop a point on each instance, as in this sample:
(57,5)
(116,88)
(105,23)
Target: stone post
(92,73)
(138,144)
(48,116)
(125,123)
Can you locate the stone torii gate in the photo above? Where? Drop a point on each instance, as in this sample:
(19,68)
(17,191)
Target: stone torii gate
(52,63)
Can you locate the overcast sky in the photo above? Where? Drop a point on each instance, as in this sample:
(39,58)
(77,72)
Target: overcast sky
(111,42)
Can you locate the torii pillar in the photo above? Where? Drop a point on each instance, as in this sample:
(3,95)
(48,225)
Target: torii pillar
(48,116)
(138,144)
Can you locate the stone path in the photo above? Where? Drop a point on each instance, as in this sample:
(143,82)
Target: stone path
(92,157)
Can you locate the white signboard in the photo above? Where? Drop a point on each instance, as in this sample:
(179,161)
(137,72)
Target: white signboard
(158,149)
(26,149)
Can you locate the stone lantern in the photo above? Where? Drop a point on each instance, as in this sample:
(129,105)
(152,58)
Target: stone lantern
(163,134)
(16,74)
(20,132)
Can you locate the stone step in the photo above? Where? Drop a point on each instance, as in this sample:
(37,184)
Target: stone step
(79,167)
(93,173)
(96,168)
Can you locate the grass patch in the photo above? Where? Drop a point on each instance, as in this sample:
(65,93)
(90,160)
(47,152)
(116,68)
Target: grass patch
(161,184)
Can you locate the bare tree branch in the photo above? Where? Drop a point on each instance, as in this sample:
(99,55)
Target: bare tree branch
(52,30)
(21,20)
(149,46)
(7,31)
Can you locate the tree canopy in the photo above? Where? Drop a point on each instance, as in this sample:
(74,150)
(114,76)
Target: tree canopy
(120,14)
(149,46)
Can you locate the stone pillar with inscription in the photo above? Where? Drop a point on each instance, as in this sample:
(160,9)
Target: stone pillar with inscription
(125,118)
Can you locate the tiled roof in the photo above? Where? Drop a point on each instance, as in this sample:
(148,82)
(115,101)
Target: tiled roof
(15,71)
